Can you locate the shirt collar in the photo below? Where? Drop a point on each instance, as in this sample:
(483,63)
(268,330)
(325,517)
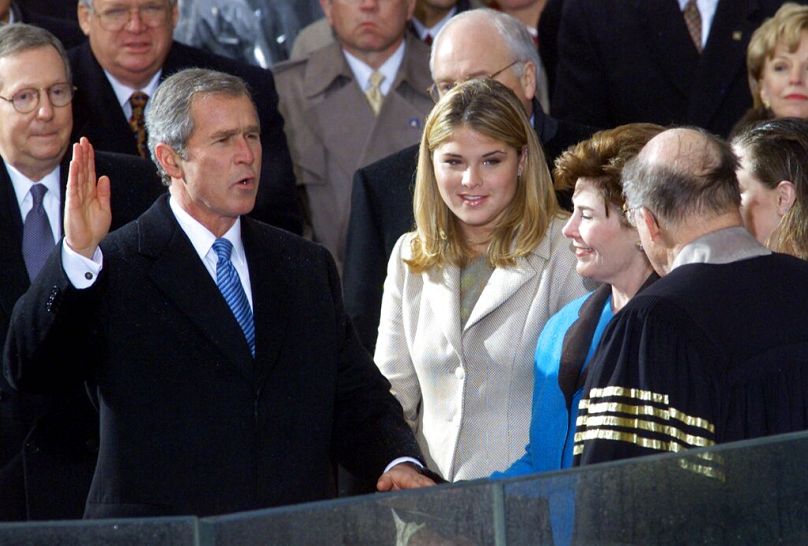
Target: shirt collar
(722,246)
(123,92)
(389,69)
(201,238)
(22,184)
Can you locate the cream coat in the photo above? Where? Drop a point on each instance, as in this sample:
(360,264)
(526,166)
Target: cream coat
(467,392)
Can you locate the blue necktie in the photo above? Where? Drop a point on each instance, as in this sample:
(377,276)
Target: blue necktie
(37,237)
(229,284)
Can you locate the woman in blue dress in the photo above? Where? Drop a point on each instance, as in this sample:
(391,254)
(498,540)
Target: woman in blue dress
(608,251)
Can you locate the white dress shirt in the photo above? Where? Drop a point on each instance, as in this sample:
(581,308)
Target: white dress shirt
(51,202)
(389,69)
(124,92)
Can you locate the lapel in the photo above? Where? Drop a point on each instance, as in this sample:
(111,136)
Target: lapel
(179,273)
(13,275)
(665,32)
(442,291)
(723,57)
(270,290)
(338,107)
(506,281)
(96,112)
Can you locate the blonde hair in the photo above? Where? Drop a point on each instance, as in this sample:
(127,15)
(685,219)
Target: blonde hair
(493,110)
(784,27)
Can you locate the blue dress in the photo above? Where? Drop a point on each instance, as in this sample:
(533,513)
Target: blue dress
(552,424)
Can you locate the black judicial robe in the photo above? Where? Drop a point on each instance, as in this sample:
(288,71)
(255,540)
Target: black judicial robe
(707,354)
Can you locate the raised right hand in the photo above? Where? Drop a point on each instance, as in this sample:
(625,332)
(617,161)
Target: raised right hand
(87,210)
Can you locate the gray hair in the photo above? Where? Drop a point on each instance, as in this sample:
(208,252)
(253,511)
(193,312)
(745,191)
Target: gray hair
(18,37)
(706,186)
(89,3)
(512,31)
(168,112)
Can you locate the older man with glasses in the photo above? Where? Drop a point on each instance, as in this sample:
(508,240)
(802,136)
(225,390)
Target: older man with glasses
(473,44)
(129,52)
(47,443)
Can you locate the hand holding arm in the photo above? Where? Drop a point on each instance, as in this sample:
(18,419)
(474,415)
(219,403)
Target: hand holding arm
(87,209)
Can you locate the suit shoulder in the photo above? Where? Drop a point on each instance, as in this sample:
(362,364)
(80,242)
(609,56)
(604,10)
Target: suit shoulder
(185,56)
(283,240)
(286,69)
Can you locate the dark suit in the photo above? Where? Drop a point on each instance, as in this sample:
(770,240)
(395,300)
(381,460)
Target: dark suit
(68,32)
(623,61)
(98,116)
(381,211)
(191,423)
(48,444)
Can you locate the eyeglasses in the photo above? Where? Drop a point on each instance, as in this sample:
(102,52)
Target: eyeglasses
(26,100)
(115,18)
(628,212)
(437,90)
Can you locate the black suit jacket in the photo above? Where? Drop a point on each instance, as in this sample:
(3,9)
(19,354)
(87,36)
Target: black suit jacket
(191,423)
(623,61)
(48,443)
(68,32)
(381,211)
(98,116)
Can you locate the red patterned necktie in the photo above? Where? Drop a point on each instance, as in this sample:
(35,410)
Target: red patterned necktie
(138,122)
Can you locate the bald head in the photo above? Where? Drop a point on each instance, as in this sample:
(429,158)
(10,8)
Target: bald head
(683,175)
(483,42)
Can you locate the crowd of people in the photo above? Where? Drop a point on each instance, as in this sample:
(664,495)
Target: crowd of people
(444,241)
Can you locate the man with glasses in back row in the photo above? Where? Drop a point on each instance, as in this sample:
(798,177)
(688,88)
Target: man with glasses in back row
(476,43)
(129,52)
(47,443)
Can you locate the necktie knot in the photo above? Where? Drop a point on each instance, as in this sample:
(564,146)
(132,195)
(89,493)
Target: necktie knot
(38,194)
(374,92)
(223,248)
(138,99)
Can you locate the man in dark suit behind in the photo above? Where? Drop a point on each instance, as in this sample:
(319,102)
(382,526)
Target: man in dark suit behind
(475,43)
(628,61)
(47,444)
(235,379)
(130,50)
(67,31)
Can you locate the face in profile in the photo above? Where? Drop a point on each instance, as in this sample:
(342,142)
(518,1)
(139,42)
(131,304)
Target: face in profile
(35,141)
(220,172)
(784,84)
(604,245)
(477,179)
(762,207)
(129,38)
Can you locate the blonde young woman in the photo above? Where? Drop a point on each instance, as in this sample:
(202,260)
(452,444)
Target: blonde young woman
(468,291)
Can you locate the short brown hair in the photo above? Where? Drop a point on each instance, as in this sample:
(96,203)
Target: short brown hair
(601,159)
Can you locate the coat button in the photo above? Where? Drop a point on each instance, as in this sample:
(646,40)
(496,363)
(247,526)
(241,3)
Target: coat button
(460,373)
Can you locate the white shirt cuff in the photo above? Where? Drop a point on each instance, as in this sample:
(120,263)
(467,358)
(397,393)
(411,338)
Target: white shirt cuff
(400,460)
(80,271)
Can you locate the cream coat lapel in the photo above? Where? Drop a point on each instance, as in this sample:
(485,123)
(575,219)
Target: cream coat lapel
(442,291)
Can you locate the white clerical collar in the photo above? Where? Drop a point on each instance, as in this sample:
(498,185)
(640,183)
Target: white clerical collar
(123,91)
(389,69)
(423,30)
(722,246)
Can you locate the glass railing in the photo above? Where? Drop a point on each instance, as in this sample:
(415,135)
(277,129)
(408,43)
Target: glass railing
(752,492)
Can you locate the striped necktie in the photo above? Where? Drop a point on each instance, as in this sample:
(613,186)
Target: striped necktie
(693,22)
(229,284)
